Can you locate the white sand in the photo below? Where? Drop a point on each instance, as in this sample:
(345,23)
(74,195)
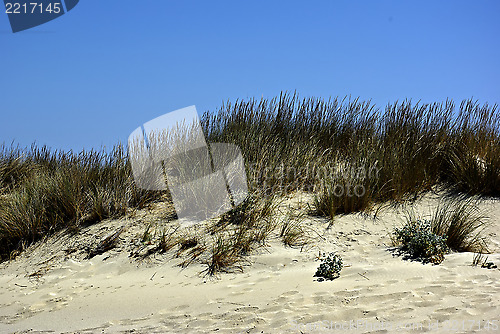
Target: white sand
(113,294)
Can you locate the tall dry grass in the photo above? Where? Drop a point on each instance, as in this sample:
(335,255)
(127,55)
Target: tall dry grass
(44,191)
(288,143)
(327,146)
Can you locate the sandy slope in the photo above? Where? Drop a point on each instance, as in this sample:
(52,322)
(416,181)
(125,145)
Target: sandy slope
(277,293)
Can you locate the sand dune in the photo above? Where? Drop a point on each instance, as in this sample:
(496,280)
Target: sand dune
(48,290)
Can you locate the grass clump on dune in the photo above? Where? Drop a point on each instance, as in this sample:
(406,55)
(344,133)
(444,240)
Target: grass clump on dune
(44,191)
(321,145)
(454,226)
(462,225)
(348,152)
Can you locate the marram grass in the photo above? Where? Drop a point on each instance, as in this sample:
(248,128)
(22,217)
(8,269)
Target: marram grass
(350,153)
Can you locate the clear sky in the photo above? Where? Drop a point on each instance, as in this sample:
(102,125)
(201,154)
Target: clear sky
(90,77)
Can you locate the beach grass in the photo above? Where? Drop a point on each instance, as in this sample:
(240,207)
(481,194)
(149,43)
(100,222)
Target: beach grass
(459,220)
(349,153)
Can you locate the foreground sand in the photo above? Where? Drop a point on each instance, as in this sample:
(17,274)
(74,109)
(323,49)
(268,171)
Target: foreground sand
(44,291)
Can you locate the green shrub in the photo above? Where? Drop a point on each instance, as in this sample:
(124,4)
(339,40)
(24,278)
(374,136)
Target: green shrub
(420,242)
(330,267)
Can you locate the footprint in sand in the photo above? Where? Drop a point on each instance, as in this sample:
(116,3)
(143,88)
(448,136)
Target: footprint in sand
(272,309)
(263,279)
(200,323)
(290,293)
(404,310)
(35,308)
(247,309)
(425,303)
(279,319)
(181,307)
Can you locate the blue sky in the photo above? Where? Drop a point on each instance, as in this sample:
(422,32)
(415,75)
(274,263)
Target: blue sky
(90,77)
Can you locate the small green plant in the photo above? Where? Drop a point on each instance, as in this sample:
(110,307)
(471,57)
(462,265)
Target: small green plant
(330,267)
(147,235)
(420,242)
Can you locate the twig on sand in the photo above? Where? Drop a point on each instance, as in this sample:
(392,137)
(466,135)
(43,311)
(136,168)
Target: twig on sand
(22,286)
(362,275)
(153,276)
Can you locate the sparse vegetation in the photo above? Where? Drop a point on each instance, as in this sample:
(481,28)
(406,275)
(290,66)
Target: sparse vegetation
(186,242)
(479,259)
(167,240)
(455,225)
(239,231)
(225,257)
(291,231)
(348,152)
(105,244)
(147,236)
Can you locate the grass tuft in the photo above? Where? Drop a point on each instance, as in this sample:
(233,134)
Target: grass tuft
(455,225)
(349,152)
(460,222)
